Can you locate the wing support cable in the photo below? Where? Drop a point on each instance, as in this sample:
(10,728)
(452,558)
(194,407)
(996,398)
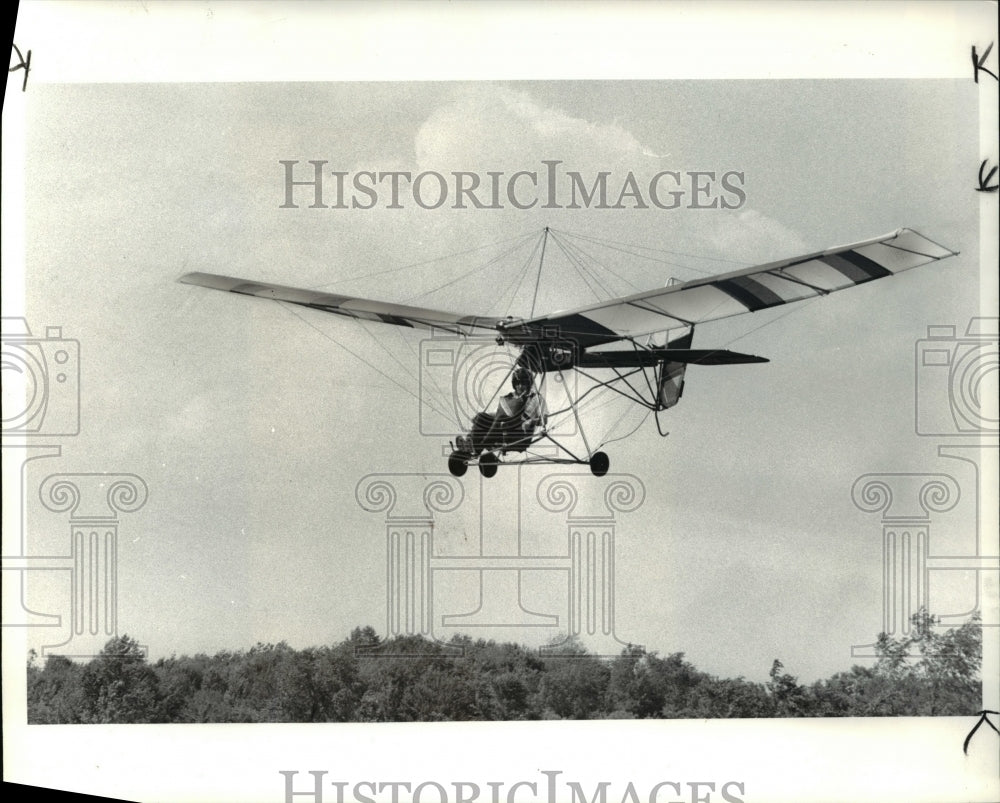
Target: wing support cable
(585,254)
(628,434)
(469,273)
(789,311)
(624,379)
(357,356)
(633,395)
(372,275)
(538,278)
(516,283)
(610,385)
(614,426)
(611,244)
(580,257)
(584,273)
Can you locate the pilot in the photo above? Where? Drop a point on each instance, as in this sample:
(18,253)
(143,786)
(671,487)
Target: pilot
(518,415)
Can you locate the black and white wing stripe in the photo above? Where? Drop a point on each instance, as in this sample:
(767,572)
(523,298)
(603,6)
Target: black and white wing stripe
(746,290)
(694,302)
(359,308)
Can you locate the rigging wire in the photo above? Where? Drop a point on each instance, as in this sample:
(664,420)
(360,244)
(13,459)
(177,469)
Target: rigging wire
(610,244)
(385,348)
(793,307)
(467,274)
(522,274)
(591,406)
(470,273)
(628,434)
(580,273)
(442,399)
(523,235)
(579,258)
(354,354)
(603,266)
(430,387)
(538,278)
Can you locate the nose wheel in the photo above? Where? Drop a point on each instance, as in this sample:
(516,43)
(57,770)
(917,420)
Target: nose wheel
(488,464)
(457,465)
(599,464)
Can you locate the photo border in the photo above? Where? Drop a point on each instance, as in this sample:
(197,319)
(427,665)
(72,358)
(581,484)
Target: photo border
(876,759)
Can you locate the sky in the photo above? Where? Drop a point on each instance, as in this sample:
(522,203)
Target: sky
(253,423)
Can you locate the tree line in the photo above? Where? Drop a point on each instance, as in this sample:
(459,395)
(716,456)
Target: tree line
(408,678)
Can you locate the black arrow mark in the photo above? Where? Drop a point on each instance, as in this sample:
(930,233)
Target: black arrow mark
(984,181)
(23,64)
(982,718)
(977,63)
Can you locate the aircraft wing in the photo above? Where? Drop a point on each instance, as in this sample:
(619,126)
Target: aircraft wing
(360,308)
(745,290)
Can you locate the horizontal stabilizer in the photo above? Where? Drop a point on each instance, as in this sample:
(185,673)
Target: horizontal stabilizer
(648,357)
(711,356)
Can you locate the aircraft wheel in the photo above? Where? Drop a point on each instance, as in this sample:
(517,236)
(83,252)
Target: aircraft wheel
(599,464)
(457,465)
(488,464)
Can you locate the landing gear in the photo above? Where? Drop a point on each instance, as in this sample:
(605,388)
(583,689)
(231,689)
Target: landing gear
(488,464)
(457,464)
(599,464)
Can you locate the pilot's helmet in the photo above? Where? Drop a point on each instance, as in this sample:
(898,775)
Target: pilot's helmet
(521,378)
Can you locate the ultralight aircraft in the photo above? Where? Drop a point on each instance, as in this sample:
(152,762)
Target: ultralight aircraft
(637,345)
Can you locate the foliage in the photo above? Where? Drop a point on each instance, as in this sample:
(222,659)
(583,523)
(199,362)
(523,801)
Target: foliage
(119,686)
(927,672)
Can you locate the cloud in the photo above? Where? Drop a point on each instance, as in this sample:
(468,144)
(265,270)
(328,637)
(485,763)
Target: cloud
(502,128)
(753,237)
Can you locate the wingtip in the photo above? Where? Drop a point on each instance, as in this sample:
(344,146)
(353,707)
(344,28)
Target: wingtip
(195,277)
